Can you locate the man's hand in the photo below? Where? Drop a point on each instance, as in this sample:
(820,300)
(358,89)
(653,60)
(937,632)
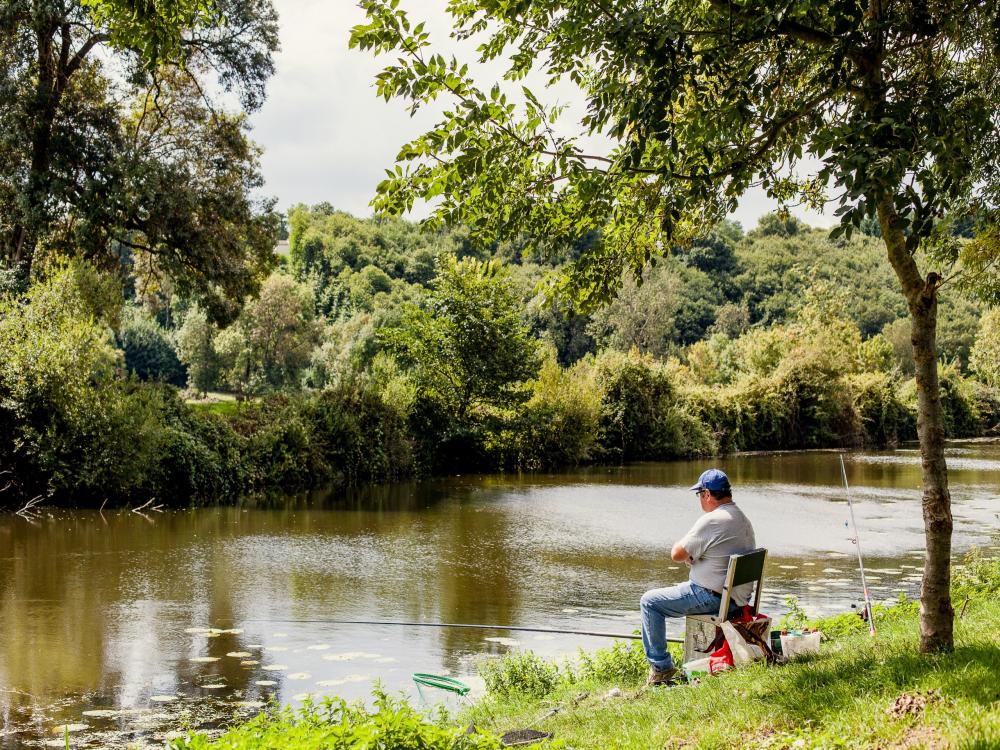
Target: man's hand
(679,554)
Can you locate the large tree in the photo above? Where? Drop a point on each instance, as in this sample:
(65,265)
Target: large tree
(700,100)
(467,345)
(111,138)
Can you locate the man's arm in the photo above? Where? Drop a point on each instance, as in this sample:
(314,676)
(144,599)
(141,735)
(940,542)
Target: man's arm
(679,554)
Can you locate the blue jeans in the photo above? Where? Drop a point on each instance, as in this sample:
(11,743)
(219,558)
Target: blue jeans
(674,601)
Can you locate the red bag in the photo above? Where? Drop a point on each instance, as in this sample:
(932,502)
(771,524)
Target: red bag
(747,615)
(721,659)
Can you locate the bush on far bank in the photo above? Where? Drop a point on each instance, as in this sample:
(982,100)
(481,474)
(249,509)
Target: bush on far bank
(78,427)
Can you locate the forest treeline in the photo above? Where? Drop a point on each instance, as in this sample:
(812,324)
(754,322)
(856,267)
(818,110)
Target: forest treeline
(377,350)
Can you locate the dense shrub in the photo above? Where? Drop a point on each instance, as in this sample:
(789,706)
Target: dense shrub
(623,663)
(71,424)
(958,401)
(519,672)
(559,424)
(799,406)
(643,415)
(359,436)
(280,446)
(985,355)
(882,418)
(959,405)
(987,400)
(149,352)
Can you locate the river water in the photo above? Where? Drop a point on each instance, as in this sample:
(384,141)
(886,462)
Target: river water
(171,620)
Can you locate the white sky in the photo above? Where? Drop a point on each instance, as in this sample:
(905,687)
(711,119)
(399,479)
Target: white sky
(328,137)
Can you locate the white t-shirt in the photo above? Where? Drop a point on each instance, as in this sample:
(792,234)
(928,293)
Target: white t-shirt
(715,536)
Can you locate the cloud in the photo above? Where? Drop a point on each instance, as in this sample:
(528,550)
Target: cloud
(327,136)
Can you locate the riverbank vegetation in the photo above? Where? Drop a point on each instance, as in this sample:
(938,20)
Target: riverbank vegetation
(859,692)
(378,350)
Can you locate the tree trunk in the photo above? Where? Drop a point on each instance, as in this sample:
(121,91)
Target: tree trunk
(42,110)
(936,613)
(52,25)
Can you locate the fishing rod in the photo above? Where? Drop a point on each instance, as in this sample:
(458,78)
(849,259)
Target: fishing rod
(857,541)
(516,628)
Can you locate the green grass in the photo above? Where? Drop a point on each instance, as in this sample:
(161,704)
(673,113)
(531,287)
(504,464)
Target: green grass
(224,404)
(837,699)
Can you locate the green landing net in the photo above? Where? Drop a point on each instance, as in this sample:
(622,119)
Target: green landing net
(441,682)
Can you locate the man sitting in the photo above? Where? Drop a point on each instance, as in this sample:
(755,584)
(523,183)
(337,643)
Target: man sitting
(721,531)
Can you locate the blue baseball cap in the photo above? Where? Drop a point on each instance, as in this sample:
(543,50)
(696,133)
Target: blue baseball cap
(713,479)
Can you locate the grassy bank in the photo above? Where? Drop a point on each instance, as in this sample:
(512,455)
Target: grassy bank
(859,692)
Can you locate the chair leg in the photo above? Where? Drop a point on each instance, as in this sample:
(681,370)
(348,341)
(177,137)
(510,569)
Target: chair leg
(698,636)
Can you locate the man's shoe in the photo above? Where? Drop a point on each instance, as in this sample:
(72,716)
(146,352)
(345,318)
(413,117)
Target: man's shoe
(662,676)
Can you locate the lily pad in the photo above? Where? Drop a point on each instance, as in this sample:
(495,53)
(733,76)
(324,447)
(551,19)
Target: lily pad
(319,647)
(299,676)
(163,698)
(250,662)
(214,686)
(100,713)
(350,655)
(204,659)
(274,667)
(343,680)
(239,654)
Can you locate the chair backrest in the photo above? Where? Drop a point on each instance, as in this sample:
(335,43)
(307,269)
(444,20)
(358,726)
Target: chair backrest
(743,569)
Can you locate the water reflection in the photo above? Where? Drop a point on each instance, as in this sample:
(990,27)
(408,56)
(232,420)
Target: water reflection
(108,611)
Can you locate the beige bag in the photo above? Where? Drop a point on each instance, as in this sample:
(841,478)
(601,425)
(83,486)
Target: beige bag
(743,652)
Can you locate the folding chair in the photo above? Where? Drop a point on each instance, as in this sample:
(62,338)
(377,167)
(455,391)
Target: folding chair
(700,630)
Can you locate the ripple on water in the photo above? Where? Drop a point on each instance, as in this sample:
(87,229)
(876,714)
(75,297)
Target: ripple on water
(957,464)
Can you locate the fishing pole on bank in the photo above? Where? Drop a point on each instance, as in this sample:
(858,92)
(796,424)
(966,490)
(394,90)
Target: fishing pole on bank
(513,628)
(857,542)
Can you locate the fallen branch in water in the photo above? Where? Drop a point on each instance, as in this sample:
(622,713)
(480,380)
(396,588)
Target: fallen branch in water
(29,507)
(145,505)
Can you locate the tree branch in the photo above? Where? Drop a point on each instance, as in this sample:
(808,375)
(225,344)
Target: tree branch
(77,60)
